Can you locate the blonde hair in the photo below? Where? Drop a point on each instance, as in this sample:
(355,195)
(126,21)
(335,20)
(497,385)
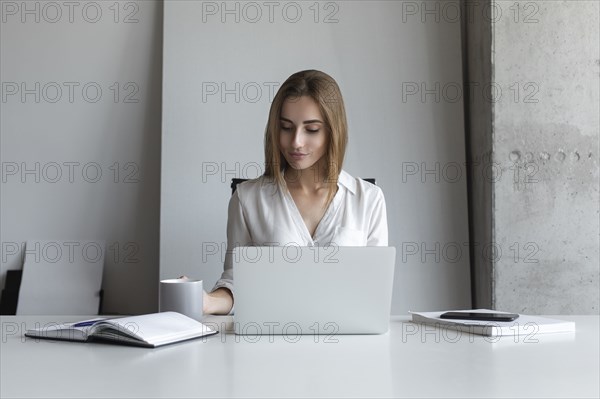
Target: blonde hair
(324,90)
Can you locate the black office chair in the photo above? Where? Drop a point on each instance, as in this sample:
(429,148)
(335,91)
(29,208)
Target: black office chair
(10,294)
(236,181)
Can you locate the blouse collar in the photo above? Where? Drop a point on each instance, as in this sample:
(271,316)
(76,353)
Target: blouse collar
(347,181)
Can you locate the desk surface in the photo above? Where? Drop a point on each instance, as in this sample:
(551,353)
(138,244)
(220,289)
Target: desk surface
(409,361)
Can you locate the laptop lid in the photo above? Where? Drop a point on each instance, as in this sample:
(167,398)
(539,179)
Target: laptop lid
(293,290)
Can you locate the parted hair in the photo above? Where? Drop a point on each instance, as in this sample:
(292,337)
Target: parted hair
(324,90)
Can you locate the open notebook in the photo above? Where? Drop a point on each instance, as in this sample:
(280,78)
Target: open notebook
(150,330)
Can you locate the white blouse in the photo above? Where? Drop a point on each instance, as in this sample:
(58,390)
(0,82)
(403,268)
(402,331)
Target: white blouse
(261,214)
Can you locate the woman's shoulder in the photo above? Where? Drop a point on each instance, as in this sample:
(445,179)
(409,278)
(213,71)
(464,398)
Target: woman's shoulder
(256,187)
(358,186)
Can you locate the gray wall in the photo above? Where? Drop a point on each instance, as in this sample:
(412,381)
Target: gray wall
(71,140)
(543,130)
(384,57)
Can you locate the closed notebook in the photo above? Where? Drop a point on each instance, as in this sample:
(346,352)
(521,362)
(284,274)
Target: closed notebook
(150,330)
(524,325)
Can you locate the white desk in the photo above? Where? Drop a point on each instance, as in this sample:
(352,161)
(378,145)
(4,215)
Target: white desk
(409,361)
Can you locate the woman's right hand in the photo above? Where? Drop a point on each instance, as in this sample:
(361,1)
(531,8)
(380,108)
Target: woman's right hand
(220,301)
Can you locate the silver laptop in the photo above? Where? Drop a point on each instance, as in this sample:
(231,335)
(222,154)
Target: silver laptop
(293,290)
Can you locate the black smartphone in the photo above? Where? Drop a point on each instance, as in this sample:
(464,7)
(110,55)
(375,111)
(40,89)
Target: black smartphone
(479,316)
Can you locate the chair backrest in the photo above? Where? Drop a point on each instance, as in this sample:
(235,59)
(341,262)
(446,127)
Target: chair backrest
(236,181)
(43,290)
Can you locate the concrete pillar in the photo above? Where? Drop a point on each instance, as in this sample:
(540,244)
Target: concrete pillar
(533,108)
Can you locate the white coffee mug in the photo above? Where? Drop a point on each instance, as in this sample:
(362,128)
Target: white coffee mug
(182,295)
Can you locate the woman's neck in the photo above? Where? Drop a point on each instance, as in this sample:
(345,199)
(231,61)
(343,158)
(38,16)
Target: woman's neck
(307,180)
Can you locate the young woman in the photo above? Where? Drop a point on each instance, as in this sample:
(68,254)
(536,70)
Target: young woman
(304,197)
